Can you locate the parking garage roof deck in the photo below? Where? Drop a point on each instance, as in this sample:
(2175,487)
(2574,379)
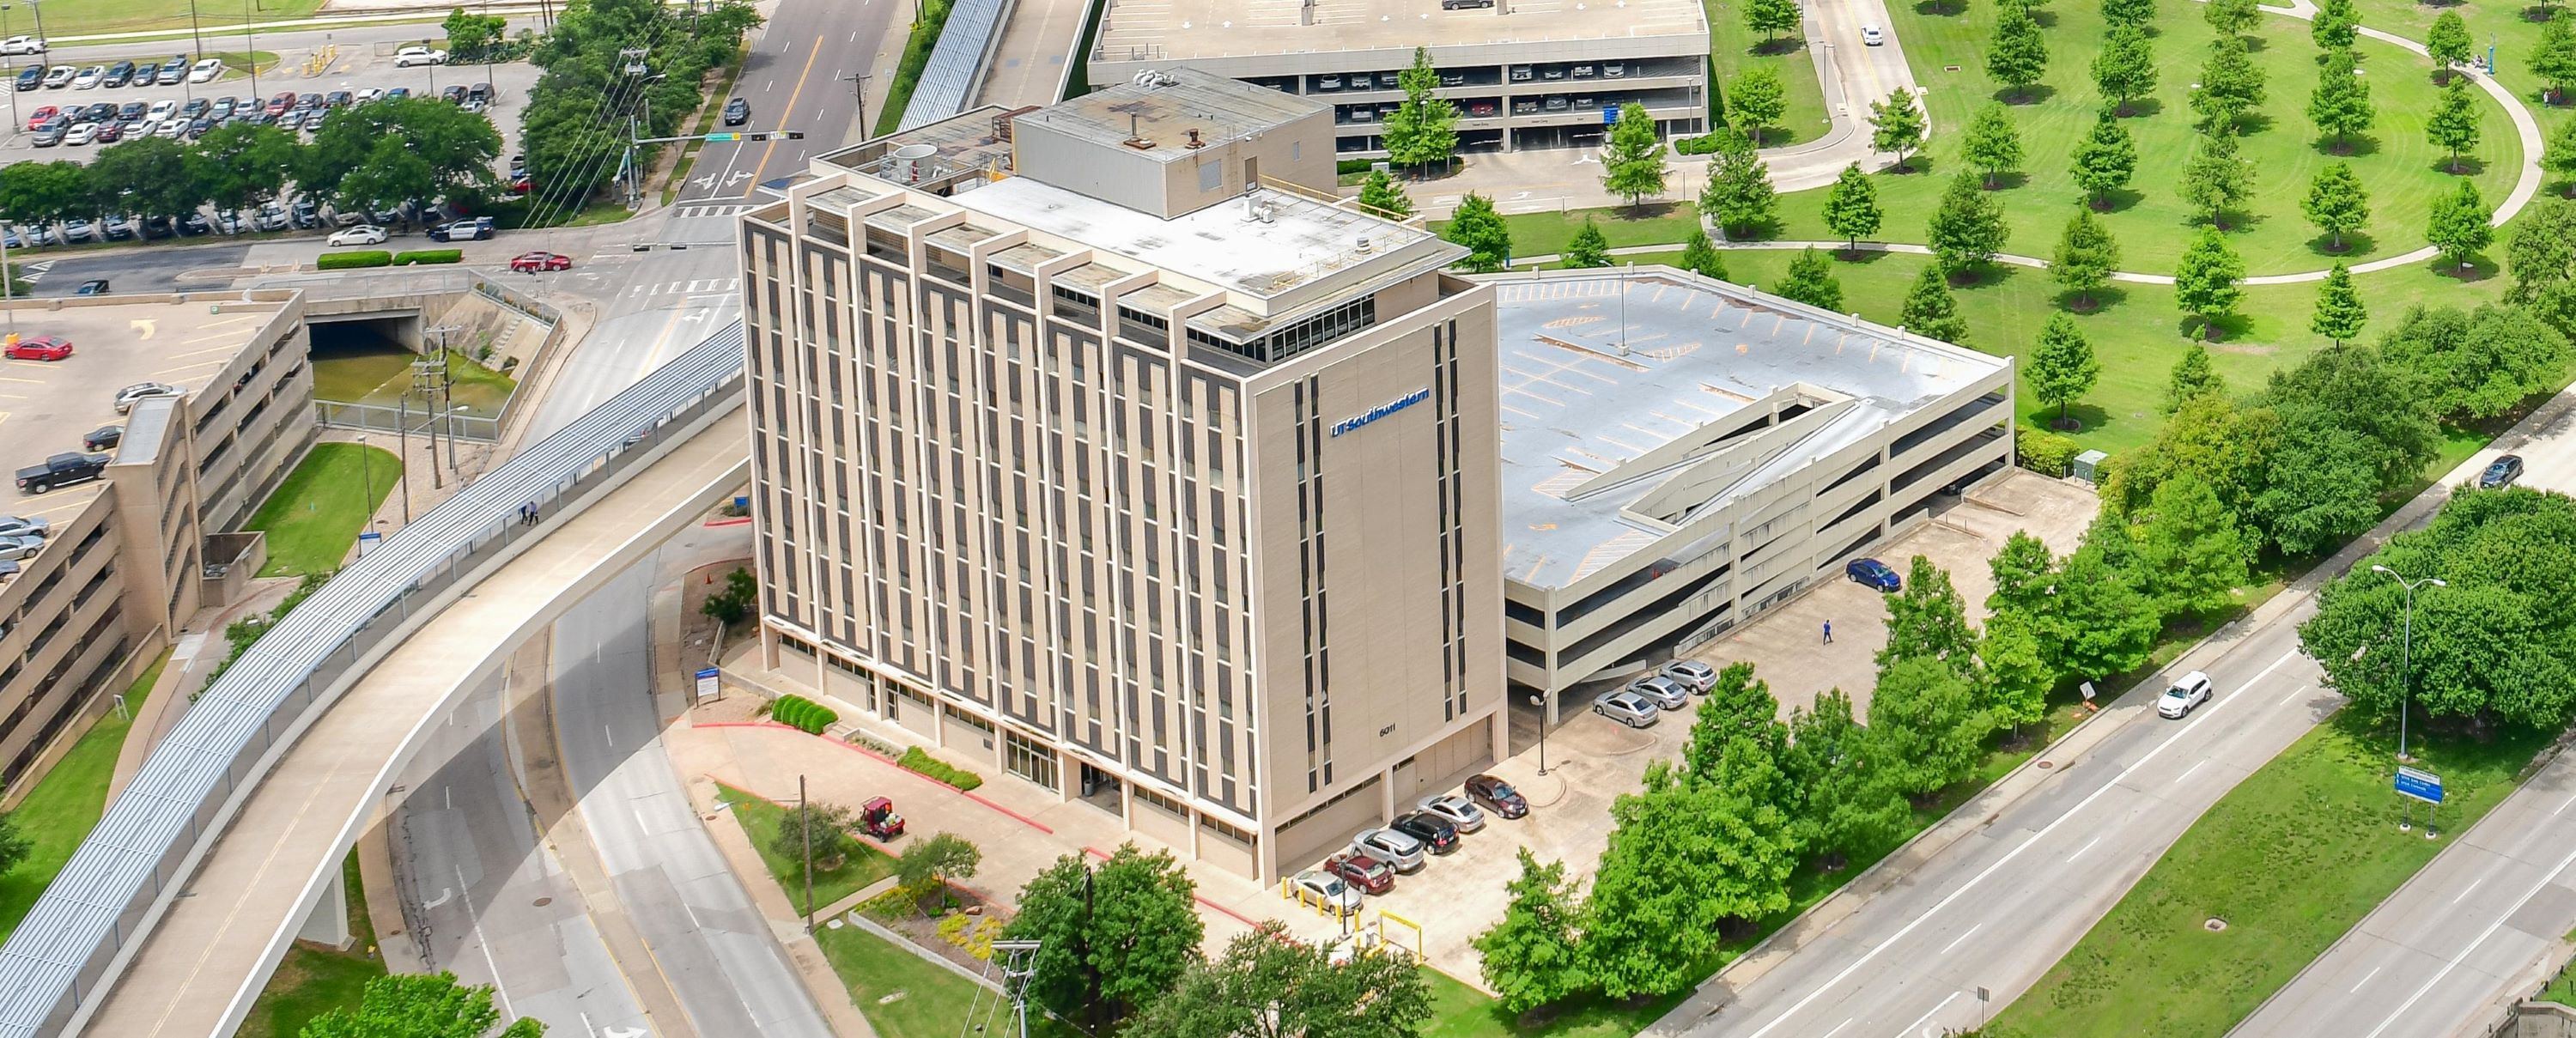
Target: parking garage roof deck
(1579,404)
(45,406)
(1182,30)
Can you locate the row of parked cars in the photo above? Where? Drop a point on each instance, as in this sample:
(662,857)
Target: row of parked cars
(1640,702)
(106,122)
(20,537)
(1403,845)
(178,69)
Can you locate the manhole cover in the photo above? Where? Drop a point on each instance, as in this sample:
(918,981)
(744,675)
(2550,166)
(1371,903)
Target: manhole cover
(544,901)
(2214,925)
(2047,764)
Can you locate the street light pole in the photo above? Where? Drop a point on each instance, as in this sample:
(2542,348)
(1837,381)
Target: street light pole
(10,63)
(250,47)
(196,30)
(2406,650)
(1540,701)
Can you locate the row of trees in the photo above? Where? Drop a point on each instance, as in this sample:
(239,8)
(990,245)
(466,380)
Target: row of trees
(369,157)
(591,91)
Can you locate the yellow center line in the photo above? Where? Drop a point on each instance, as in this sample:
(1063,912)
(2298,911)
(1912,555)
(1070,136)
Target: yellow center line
(792,95)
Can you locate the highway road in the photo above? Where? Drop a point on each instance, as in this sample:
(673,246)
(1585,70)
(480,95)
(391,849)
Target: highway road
(1996,909)
(797,79)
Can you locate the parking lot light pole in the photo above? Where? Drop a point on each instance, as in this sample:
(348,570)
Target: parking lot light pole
(2406,650)
(250,46)
(10,62)
(1540,701)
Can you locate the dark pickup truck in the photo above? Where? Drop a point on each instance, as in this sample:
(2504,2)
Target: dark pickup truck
(62,470)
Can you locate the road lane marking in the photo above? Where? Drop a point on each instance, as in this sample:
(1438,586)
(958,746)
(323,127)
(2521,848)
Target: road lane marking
(2080,852)
(2294,694)
(2563,805)
(2365,979)
(2543,881)
(2467,890)
(1846,972)
(792,95)
(2186,772)
(1972,931)
(1838,1028)
(1918,1021)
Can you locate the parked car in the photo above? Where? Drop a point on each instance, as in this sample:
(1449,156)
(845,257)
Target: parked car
(61,76)
(418,55)
(1389,846)
(397,93)
(1455,810)
(1326,891)
(50,134)
(2191,691)
(109,133)
(97,112)
(103,438)
(454,95)
(29,78)
(92,287)
(479,92)
(1359,870)
(195,224)
(2501,473)
(40,347)
(21,526)
(1874,574)
(1434,831)
(737,112)
(1497,796)
(362,234)
(532,262)
(14,548)
(279,104)
(77,229)
(305,213)
(41,116)
(118,75)
(134,394)
(119,228)
(62,470)
(476,229)
(338,99)
(1692,674)
(1627,708)
(173,72)
(1661,691)
(205,70)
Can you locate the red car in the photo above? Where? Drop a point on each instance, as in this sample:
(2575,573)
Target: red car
(1362,871)
(532,262)
(42,347)
(278,105)
(41,116)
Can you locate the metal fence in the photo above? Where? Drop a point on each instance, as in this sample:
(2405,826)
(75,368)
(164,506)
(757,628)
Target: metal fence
(395,420)
(66,953)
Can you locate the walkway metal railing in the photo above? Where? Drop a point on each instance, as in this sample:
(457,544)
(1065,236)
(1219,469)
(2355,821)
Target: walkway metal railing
(957,62)
(88,924)
(379,418)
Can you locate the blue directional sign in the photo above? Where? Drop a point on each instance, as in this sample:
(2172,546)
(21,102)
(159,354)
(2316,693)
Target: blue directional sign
(2420,784)
(1610,116)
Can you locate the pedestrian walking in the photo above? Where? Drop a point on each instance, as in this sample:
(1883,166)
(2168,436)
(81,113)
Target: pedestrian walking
(528,514)
(1829,632)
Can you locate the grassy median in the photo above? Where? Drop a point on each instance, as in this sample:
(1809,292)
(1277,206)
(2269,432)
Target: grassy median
(314,516)
(760,821)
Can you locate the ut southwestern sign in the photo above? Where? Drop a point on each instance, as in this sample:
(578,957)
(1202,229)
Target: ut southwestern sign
(2420,784)
(1381,411)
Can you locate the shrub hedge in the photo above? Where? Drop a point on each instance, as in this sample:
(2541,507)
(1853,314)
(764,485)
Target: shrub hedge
(804,714)
(914,760)
(405,259)
(350,260)
(2044,452)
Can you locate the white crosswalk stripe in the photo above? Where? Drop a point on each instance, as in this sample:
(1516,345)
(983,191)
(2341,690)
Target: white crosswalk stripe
(700,286)
(719,210)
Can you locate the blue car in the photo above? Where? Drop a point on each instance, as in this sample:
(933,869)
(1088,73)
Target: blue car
(1874,574)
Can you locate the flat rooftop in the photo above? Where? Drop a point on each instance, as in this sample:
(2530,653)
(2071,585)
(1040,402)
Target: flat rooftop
(1181,30)
(45,406)
(1302,241)
(1219,108)
(1578,406)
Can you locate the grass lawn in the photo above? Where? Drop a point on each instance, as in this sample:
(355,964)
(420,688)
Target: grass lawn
(761,819)
(2291,858)
(65,803)
(101,16)
(313,979)
(1733,48)
(315,515)
(2398,168)
(379,373)
(905,996)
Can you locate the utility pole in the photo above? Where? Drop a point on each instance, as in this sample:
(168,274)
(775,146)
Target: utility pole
(11,63)
(446,387)
(805,831)
(1018,966)
(402,450)
(196,31)
(859,86)
(424,380)
(250,46)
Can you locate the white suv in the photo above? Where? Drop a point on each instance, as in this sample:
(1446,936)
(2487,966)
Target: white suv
(410,56)
(2185,694)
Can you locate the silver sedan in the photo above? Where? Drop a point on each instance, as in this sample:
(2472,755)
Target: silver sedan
(1458,810)
(1627,708)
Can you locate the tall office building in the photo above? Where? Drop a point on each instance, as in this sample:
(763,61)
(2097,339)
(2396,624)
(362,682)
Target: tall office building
(1103,443)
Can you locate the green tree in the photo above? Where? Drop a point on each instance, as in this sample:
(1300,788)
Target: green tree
(585,87)
(2217,179)
(1925,729)
(2553,59)
(830,828)
(1700,256)
(1269,984)
(151,176)
(1927,620)
(1112,940)
(1682,858)
(1533,955)
(2205,281)
(2336,26)
(2454,122)
(1968,229)
(412,1005)
(1811,280)
(46,192)
(1383,196)
(1771,17)
(2232,17)
(740,595)
(2126,65)
(251,164)
(1757,98)
(2231,85)
(2336,203)
(2458,223)
(1739,706)
(2104,160)
(1851,207)
(2192,557)
(1849,805)
(469,34)
(2559,156)
(1478,227)
(2025,576)
(1992,144)
(2129,12)
(2086,256)
(2101,624)
(15,844)
(1589,248)
(2019,55)
(383,154)
(2194,377)
(2477,364)
(2351,427)
(1931,311)
(2017,676)
(1738,192)
(2339,314)
(2062,367)
(1423,130)
(926,867)
(2340,106)
(2448,43)
(2541,253)
(1633,163)
(1896,125)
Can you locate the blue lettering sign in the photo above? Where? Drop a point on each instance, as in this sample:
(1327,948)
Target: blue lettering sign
(1381,411)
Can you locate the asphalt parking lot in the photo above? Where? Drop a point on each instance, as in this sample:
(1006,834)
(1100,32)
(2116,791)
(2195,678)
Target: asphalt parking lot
(160,267)
(45,406)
